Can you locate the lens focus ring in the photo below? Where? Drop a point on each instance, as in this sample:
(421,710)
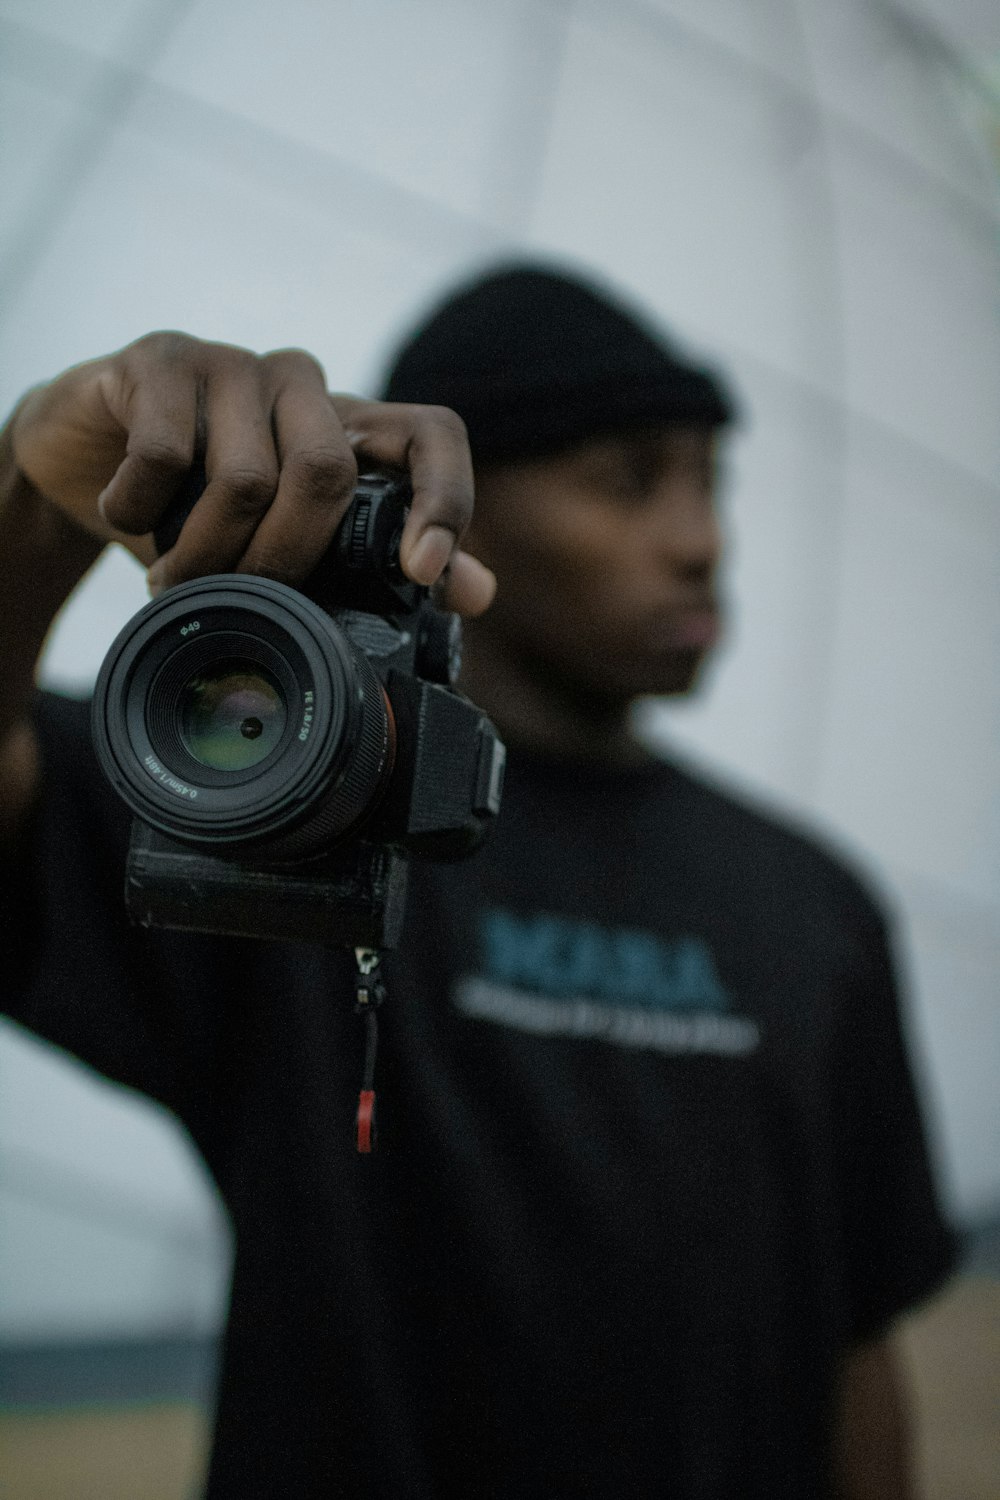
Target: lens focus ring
(352,796)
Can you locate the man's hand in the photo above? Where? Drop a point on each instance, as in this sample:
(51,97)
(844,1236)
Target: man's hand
(872,1442)
(109,442)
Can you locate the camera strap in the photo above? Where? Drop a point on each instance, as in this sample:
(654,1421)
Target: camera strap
(369,992)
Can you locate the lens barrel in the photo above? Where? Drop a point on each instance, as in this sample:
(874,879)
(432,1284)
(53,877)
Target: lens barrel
(235,716)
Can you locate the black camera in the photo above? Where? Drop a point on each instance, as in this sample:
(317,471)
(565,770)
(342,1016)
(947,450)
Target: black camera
(284,752)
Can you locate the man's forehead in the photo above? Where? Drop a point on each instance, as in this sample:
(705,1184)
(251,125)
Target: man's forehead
(665,436)
(659,440)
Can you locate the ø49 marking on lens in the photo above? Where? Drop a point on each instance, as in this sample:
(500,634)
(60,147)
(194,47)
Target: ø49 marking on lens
(190,626)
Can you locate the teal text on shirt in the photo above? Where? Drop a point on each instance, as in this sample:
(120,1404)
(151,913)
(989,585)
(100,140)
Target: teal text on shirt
(562,956)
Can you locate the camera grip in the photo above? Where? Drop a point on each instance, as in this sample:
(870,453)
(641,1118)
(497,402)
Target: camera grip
(180,507)
(367,539)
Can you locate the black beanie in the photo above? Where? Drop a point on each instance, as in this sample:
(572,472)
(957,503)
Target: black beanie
(534,361)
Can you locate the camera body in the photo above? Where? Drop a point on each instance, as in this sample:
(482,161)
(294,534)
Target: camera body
(284,752)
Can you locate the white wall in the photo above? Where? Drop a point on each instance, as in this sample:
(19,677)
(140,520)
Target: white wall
(803,189)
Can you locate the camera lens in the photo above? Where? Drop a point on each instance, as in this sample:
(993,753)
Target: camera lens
(232,714)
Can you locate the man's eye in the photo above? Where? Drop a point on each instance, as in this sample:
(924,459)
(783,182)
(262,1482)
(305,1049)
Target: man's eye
(625,475)
(639,475)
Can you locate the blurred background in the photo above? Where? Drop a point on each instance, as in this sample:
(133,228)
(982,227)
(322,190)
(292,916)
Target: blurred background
(806,193)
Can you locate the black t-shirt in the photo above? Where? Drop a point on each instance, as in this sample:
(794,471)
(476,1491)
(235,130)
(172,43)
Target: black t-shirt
(649,1157)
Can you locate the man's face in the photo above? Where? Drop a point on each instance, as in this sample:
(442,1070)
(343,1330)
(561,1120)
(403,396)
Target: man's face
(606,558)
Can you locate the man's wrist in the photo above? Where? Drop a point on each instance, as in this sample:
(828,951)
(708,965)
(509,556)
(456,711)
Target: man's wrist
(19,778)
(43,555)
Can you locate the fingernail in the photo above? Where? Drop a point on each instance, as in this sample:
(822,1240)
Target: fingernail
(102,503)
(431,554)
(154,579)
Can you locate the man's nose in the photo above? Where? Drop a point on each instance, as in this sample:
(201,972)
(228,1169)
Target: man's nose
(686,530)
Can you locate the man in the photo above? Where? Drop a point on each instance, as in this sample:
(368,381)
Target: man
(651,1186)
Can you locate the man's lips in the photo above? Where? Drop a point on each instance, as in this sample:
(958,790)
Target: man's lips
(689,629)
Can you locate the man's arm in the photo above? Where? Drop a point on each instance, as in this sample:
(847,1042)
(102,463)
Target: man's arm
(42,557)
(97,455)
(872,1457)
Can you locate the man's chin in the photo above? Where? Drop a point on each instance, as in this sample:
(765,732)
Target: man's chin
(620,682)
(674,675)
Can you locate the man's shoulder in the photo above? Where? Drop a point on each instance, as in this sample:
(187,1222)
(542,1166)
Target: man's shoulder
(770,842)
(63,716)
(73,789)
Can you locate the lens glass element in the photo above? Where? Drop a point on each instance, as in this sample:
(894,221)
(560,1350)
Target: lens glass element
(232,713)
